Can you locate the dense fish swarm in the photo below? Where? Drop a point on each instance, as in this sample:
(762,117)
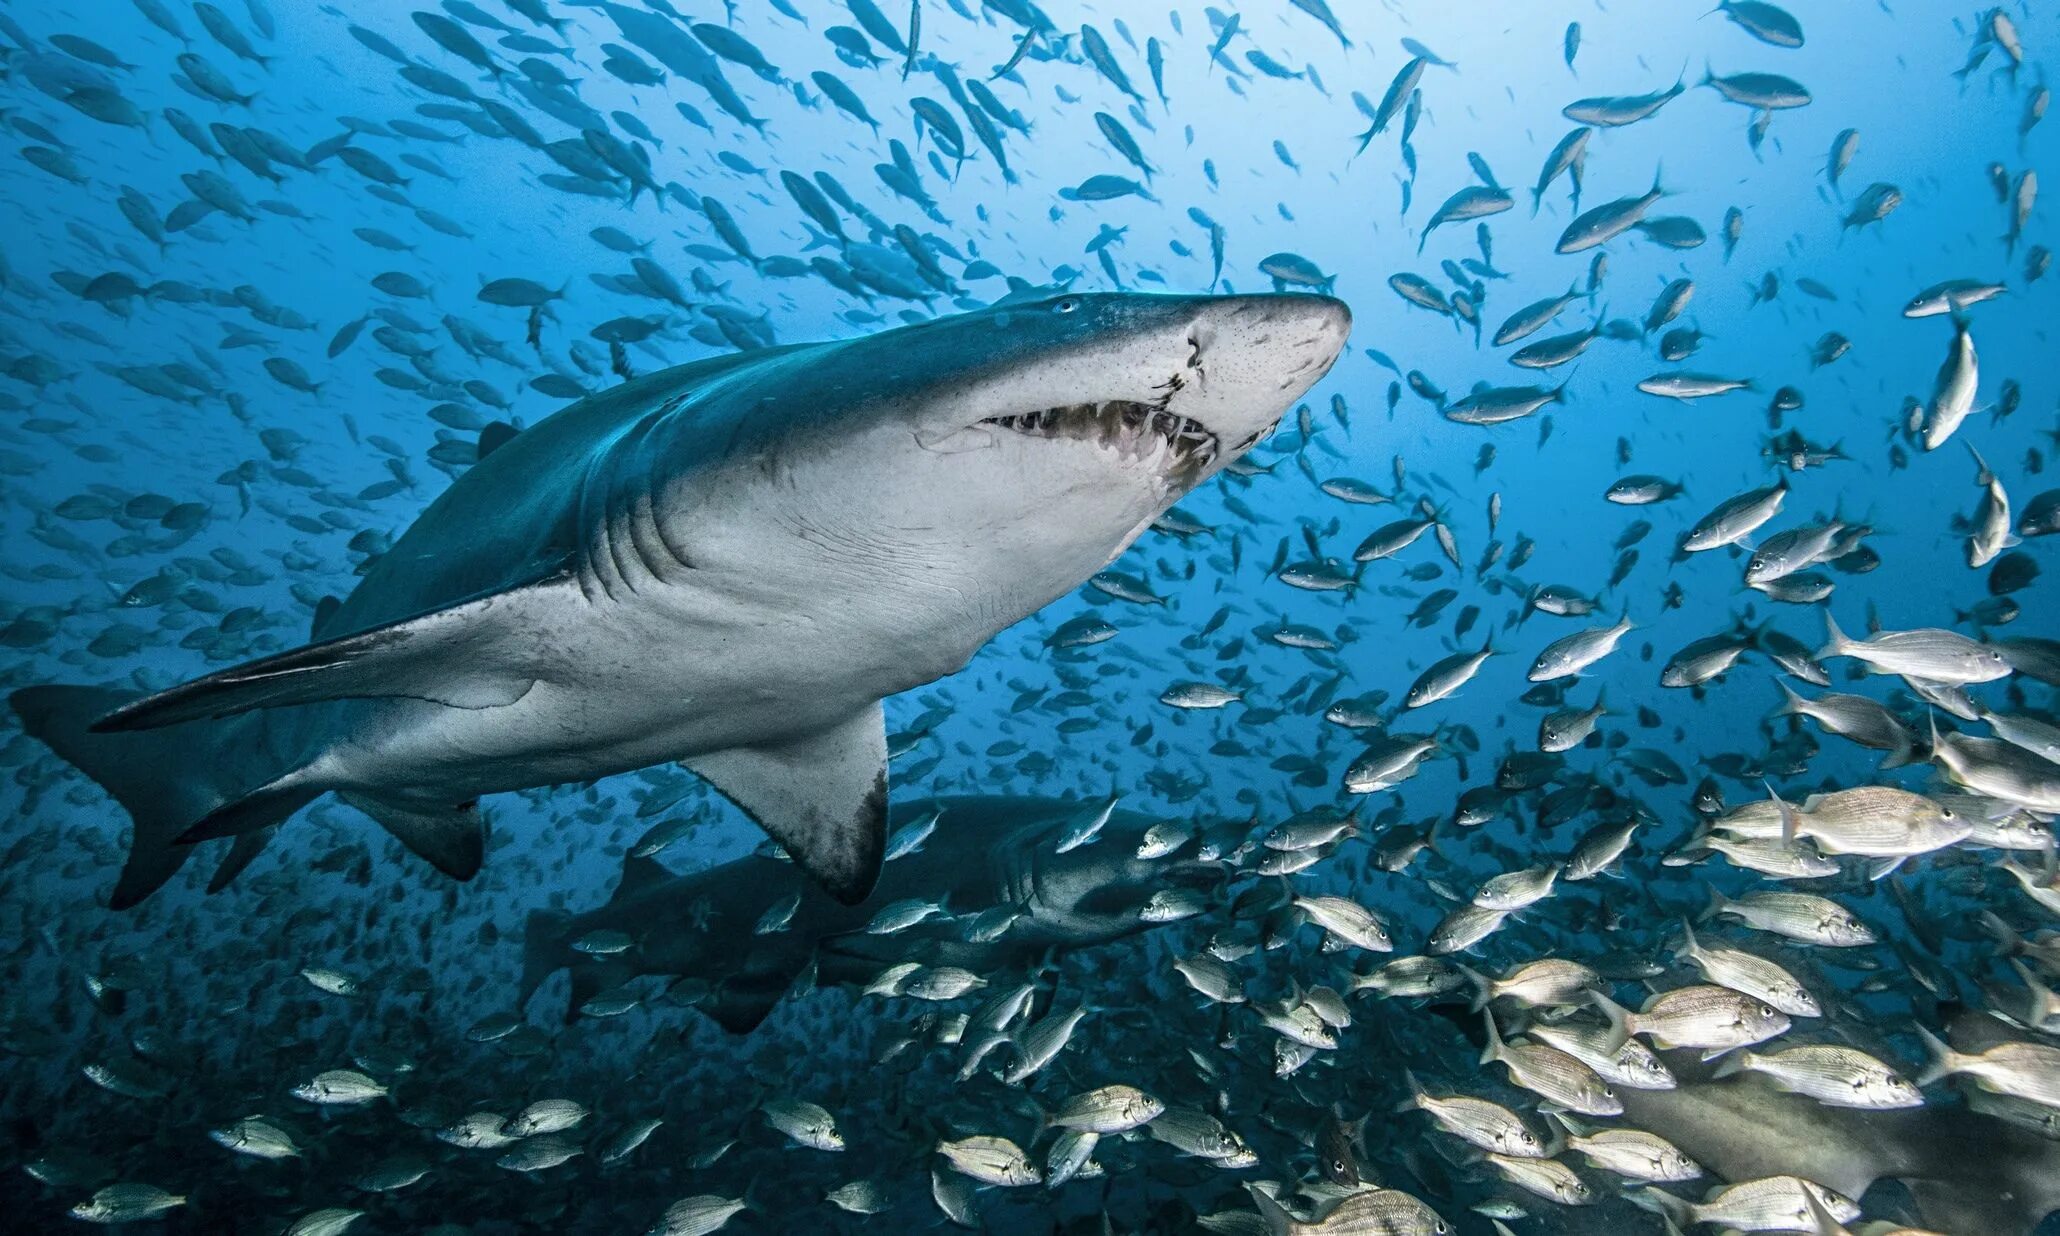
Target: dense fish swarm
(1643,823)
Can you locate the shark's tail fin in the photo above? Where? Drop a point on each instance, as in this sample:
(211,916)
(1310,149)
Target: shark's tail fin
(543,950)
(167,779)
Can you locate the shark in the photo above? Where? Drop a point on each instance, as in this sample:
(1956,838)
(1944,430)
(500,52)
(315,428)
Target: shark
(1965,1170)
(726,565)
(985,854)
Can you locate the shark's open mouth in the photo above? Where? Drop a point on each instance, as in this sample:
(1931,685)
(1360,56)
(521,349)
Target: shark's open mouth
(1122,424)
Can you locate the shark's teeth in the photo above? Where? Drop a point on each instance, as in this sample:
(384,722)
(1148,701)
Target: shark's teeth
(1122,424)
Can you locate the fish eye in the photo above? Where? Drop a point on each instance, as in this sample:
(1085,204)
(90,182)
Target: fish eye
(1065,304)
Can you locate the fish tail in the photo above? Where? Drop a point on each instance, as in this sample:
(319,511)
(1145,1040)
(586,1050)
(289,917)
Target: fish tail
(1676,1212)
(1619,1021)
(1689,947)
(1718,903)
(1791,820)
(2037,995)
(1411,1103)
(1483,990)
(169,780)
(1493,1051)
(1790,704)
(1944,1060)
(1278,1221)
(2004,934)
(1836,644)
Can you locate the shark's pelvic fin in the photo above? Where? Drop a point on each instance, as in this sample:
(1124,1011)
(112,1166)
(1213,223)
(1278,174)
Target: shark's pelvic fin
(452,839)
(823,796)
(259,809)
(472,655)
(245,849)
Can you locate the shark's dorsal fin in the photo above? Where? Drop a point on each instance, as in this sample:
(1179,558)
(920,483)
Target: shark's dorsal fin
(496,435)
(823,796)
(325,609)
(639,874)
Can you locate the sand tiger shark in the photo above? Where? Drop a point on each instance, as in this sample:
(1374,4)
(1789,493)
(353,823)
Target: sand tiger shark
(727,564)
(743,931)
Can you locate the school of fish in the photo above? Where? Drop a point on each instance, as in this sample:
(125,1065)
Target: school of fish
(800,616)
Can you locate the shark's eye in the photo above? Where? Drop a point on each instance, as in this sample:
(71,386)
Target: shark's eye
(1065,305)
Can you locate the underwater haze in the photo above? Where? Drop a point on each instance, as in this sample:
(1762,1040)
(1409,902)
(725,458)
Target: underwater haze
(792,616)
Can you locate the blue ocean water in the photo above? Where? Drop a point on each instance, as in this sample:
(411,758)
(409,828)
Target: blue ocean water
(276,269)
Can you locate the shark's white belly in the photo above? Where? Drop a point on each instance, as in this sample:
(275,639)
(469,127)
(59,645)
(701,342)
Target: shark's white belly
(632,685)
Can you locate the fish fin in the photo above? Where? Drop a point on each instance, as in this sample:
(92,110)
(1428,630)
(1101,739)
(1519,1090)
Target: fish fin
(740,1007)
(242,851)
(1718,903)
(2037,994)
(1619,1022)
(822,796)
(1676,1212)
(165,780)
(1791,824)
(1836,644)
(1278,1221)
(543,950)
(593,975)
(488,641)
(1791,703)
(1415,1091)
(1943,1062)
(639,874)
(325,609)
(1482,990)
(1493,1051)
(452,839)
(263,807)
(496,435)
(1882,868)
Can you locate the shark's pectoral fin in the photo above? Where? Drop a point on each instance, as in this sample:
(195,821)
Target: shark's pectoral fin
(742,1004)
(452,839)
(476,654)
(823,796)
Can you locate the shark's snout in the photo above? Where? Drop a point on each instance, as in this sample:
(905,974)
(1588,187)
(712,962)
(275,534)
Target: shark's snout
(1257,354)
(1299,329)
